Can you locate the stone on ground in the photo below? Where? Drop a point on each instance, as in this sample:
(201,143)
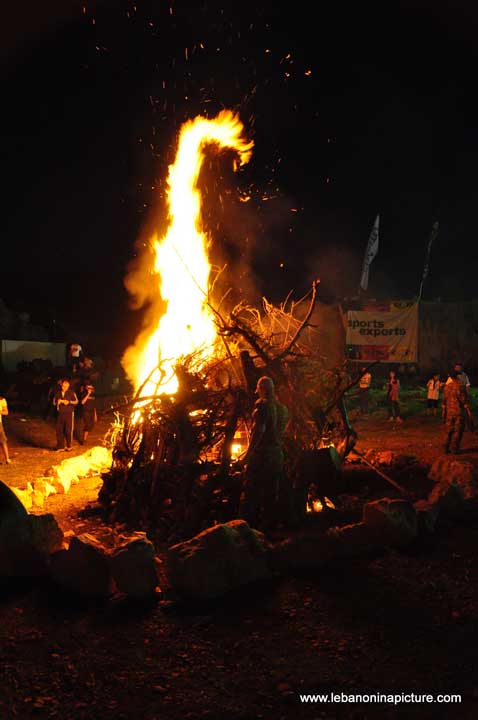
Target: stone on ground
(394,521)
(217,561)
(456,485)
(26,541)
(84,568)
(133,566)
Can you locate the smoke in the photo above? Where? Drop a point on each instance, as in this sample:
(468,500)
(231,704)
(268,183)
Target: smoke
(338,268)
(248,229)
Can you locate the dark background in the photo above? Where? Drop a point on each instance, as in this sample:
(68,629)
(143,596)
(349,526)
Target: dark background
(355,109)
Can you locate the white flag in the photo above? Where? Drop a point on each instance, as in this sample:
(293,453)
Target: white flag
(433,235)
(370,252)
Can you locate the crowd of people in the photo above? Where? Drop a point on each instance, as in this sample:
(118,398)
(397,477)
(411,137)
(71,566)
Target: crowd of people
(71,401)
(267,496)
(454,393)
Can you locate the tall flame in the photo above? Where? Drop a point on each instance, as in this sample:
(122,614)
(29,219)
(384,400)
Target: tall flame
(181,261)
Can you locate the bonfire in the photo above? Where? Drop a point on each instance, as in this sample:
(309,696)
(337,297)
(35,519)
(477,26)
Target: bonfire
(195,366)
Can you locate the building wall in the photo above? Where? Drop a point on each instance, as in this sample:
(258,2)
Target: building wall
(14,351)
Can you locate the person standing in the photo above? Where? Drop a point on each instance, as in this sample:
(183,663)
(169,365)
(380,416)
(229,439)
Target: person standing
(267,498)
(87,408)
(3,437)
(433,394)
(393,391)
(65,401)
(75,356)
(364,389)
(455,410)
(463,379)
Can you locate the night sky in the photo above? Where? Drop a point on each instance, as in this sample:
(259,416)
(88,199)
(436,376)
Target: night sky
(367,109)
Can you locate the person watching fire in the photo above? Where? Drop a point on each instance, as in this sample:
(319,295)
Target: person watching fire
(267,497)
(455,411)
(3,437)
(65,401)
(87,408)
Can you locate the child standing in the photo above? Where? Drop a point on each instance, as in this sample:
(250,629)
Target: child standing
(433,394)
(393,390)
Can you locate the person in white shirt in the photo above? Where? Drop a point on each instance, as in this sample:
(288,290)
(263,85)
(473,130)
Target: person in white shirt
(75,356)
(364,389)
(462,378)
(433,394)
(3,437)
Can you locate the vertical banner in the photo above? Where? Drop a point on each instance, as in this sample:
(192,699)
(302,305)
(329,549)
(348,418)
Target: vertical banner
(370,252)
(387,331)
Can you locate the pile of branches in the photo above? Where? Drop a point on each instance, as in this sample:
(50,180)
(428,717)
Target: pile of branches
(172,471)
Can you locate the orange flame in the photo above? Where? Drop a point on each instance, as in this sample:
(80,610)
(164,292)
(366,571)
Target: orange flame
(181,261)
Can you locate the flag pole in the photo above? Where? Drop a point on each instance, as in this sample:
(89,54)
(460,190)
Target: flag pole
(432,237)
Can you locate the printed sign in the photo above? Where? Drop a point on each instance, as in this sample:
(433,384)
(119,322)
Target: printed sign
(387,331)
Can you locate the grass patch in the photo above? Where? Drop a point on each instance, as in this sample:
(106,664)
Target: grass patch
(413,400)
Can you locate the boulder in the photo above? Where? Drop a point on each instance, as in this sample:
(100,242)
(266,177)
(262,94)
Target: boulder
(67,473)
(394,521)
(38,499)
(337,543)
(99,459)
(84,568)
(25,496)
(427,516)
(385,457)
(26,541)
(354,540)
(46,534)
(60,481)
(44,485)
(218,560)
(403,461)
(133,566)
(447,471)
(449,498)
(15,534)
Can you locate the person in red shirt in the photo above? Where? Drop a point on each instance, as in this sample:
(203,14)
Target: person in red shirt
(393,391)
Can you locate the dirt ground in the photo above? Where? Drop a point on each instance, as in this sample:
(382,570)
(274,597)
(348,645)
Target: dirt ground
(400,622)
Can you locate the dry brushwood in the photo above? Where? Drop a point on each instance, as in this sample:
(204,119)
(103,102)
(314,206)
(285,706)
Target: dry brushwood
(172,459)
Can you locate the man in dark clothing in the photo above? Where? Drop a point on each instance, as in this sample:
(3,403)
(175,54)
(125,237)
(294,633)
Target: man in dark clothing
(455,409)
(65,401)
(267,498)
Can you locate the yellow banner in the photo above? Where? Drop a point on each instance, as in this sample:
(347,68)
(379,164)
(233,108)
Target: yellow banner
(386,331)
